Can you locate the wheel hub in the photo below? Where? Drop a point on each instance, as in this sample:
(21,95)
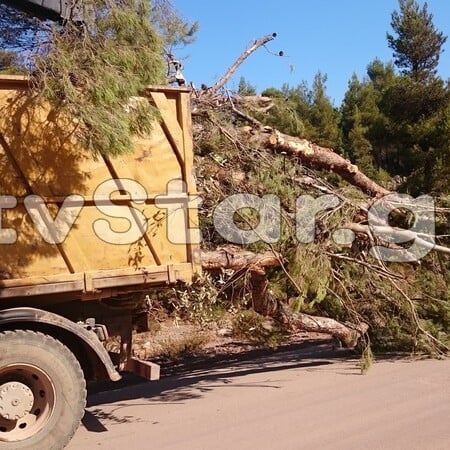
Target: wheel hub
(16,400)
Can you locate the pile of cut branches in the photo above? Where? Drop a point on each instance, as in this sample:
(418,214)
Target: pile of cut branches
(338,283)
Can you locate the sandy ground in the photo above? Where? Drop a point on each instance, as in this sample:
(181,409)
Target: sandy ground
(308,397)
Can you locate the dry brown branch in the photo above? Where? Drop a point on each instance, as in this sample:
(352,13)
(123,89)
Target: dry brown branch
(378,269)
(256,103)
(229,73)
(242,115)
(348,335)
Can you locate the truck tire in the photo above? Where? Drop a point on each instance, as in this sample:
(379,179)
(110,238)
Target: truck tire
(42,392)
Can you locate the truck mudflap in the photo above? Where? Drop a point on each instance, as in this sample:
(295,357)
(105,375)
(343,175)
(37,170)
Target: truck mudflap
(33,315)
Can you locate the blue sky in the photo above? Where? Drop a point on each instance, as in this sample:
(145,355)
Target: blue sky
(337,37)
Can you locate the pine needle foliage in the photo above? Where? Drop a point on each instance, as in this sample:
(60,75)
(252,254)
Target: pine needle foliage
(95,71)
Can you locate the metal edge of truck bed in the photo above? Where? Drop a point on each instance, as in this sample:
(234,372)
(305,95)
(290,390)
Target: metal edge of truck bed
(94,281)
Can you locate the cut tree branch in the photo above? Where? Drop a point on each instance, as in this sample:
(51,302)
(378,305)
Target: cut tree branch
(349,335)
(307,153)
(266,304)
(318,157)
(257,44)
(399,234)
(231,257)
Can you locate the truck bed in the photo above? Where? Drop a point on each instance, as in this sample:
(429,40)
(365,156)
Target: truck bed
(40,159)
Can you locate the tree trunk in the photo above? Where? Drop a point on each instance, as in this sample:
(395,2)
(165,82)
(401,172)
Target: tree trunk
(266,304)
(316,157)
(236,258)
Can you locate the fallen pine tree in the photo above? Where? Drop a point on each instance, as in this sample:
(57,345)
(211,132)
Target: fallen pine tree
(365,293)
(264,302)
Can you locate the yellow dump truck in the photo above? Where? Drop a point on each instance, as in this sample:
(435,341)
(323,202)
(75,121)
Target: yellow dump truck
(83,240)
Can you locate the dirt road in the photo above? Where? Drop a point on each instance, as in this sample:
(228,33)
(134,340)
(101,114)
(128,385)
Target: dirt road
(309,398)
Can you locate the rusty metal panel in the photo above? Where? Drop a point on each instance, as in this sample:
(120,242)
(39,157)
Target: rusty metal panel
(39,156)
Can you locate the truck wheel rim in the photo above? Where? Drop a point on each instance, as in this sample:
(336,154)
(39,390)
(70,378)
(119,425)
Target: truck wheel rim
(27,401)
